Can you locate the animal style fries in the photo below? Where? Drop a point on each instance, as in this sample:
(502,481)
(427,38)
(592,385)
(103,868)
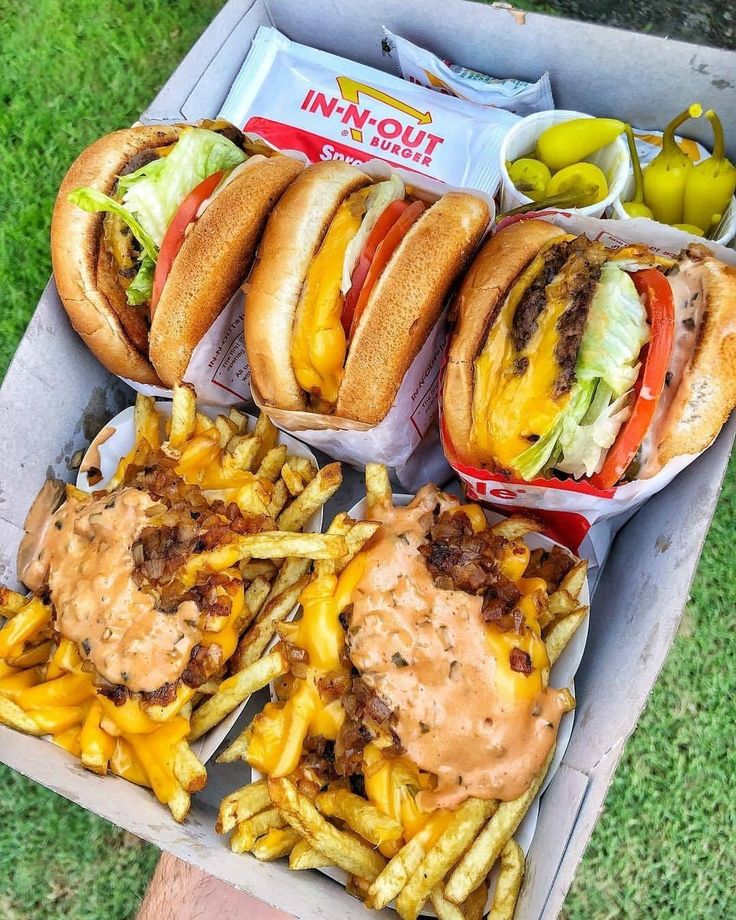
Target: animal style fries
(414,723)
(155,599)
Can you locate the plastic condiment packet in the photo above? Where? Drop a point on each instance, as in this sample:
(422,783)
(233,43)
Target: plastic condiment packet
(426,69)
(582,517)
(330,108)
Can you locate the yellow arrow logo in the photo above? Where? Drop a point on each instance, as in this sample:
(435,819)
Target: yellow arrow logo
(351,91)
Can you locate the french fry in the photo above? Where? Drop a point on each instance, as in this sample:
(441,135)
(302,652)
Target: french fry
(97,746)
(294,482)
(27,622)
(254,642)
(304,467)
(561,603)
(57,719)
(377,486)
(209,686)
(241,452)
(238,749)
(292,571)
(255,597)
(279,498)
(188,769)
(320,489)
(235,689)
(276,843)
(267,434)
(466,822)
(166,787)
(254,568)
(445,909)
(401,867)
(575,579)
(360,815)
(560,633)
(344,850)
(247,832)
(487,846)
(270,544)
(147,421)
(341,525)
(11,714)
(163,713)
(227,429)
(241,805)
(31,655)
(304,856)
(356,538)
(183,416)
(508,884)
(239,419)
(272,463)
(516,527)
(11,602)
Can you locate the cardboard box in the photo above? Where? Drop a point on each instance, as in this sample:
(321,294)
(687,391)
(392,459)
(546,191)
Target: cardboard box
(56,397)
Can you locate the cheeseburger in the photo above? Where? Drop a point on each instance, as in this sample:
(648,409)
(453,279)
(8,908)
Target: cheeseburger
(153,230)
(350,279)
(570,359)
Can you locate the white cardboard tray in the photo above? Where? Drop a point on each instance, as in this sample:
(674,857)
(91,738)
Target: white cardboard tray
(639,599)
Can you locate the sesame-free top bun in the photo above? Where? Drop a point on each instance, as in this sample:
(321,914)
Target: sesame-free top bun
(213,262)
(293,235)
(407,302)
(706,395)
(83,270)
(498,264)
(206,272)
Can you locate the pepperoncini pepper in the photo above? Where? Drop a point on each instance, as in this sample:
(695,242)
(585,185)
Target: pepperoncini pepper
(584,182)
(574,140)
(530,176)
(710,184)
(636,207)
(666,176)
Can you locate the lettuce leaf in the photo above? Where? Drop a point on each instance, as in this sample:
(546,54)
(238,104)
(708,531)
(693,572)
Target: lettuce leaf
(154,192)
(606,371)
(89,199)
(615,332)
(141,287)
(381,196)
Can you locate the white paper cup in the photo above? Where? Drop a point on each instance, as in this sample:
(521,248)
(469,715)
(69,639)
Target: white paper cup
(521,140)
(729,225)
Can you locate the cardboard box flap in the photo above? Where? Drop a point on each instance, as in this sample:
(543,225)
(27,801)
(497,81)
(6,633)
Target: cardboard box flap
(558,813)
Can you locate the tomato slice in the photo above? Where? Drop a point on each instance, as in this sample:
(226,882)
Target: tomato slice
(657,293)
(174,237)
(388,218)
(385,249)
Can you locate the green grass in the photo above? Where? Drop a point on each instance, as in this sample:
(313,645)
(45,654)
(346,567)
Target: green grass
(664,846)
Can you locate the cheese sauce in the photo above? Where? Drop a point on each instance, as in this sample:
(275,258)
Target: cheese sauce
(424,650)
(85,558)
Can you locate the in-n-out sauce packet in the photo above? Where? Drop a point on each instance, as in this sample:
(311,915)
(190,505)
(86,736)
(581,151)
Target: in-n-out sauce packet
(582,517)
(407,439)
(426,69)
(329,108)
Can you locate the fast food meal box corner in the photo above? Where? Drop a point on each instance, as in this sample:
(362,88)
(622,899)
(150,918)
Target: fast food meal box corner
(50,408)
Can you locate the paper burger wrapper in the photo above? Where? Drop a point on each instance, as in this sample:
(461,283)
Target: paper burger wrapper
(218,369)
(575,513)
(406,440)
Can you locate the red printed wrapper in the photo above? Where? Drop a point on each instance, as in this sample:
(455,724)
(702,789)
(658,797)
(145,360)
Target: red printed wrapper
(582,517)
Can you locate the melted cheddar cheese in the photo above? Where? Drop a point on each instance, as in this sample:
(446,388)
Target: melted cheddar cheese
(318,343)
(510,407)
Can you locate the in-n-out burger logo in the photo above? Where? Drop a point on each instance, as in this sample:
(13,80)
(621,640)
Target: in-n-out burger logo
(404,138)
